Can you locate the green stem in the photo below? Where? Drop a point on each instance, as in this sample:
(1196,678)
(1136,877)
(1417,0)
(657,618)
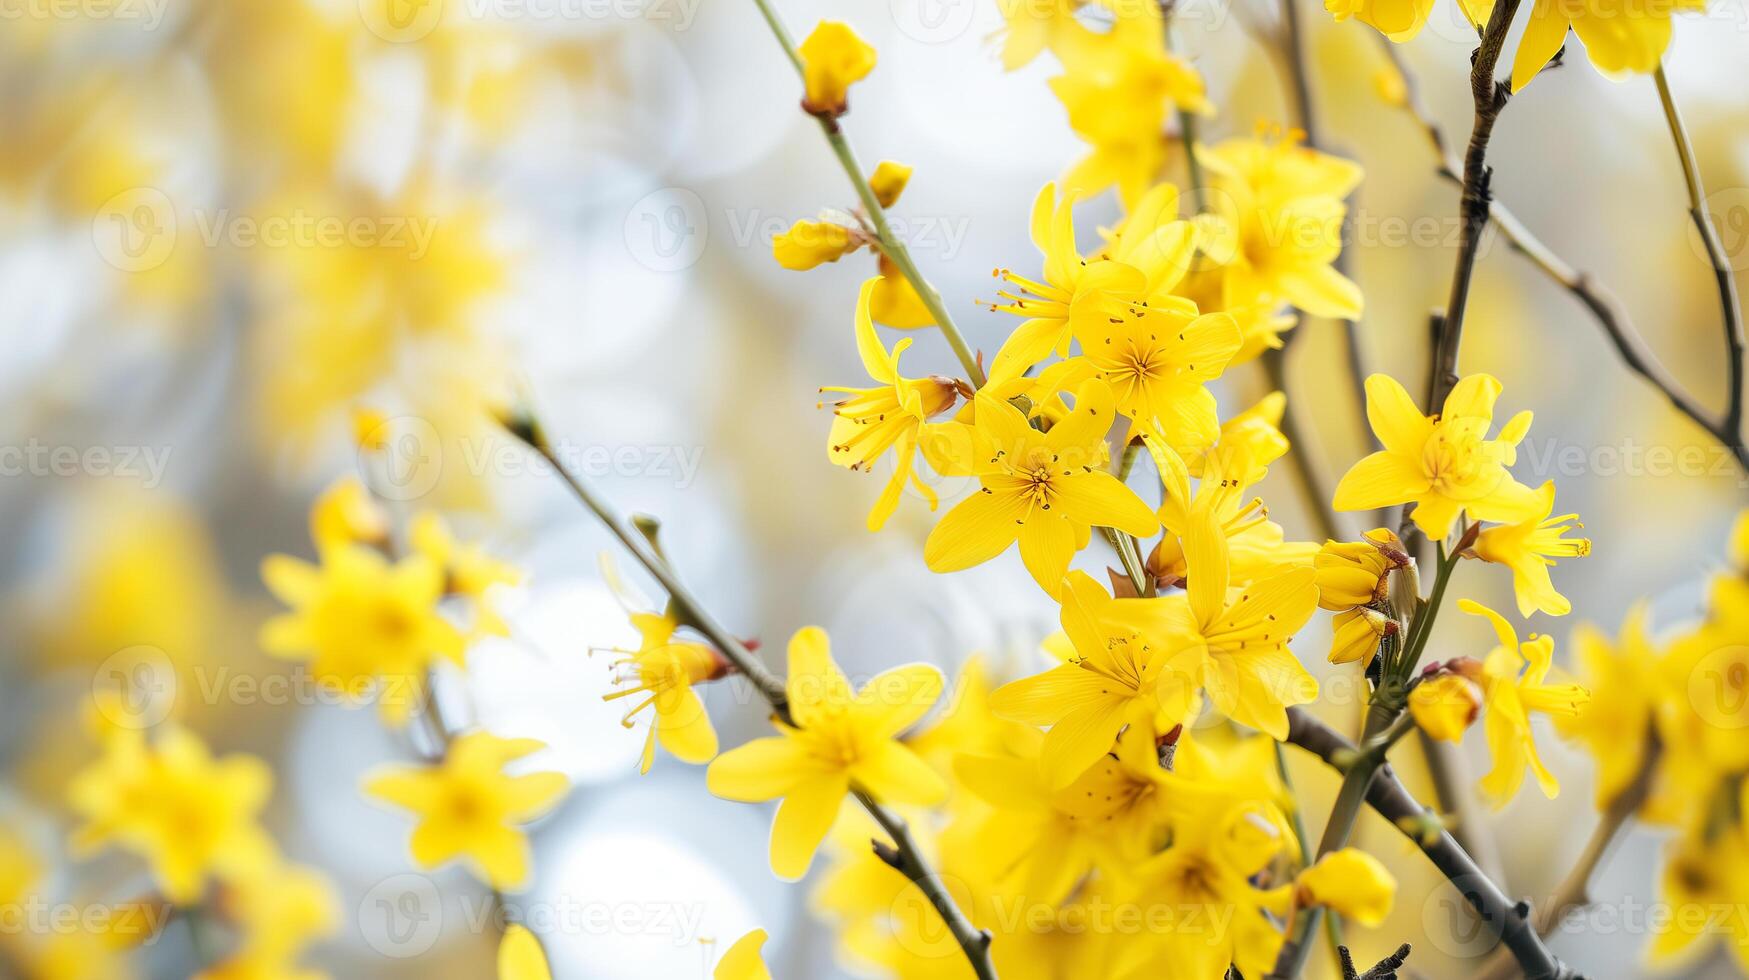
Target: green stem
(1424,618)
(877,215)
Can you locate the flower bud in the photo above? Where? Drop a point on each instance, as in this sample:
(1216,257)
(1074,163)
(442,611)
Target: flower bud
(888,182)
(810,243)
(1357,634)
(1445,705)
(833,58)
(1353,573)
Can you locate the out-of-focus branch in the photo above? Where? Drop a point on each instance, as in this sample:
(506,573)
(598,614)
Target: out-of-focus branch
(1730,308)
(1574,891)
(1597,298)
(904,855)
(1392,800)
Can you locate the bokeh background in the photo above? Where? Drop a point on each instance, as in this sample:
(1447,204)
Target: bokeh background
(225,225)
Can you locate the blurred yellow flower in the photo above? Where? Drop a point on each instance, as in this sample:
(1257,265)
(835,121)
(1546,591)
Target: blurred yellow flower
(840,741)
(279,909)
(469,808)
(168,800)
(1529,548)
(1446,465)
(1627,686)
(1046,490)
(1619,37)
(467,570)
(742,960)
(1398,20)
(1275,224)
(1446,705)
(520,956)
(888,181)
(874,420)
(1513,688)
(346,514)
(363,622)
(833,58)
(1350,882)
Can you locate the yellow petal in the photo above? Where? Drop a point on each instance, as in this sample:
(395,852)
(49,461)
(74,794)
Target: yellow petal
(742,961)
(1394,416)
(815,684)
(978,529)
(894,699)
(1352,883)
(520,956)
(684,727)
(803,819)
(895,774)
(1381,479)
(760,770)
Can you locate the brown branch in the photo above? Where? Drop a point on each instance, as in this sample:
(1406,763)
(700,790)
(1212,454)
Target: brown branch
(1489,97)
(1598,299)
(1387,795)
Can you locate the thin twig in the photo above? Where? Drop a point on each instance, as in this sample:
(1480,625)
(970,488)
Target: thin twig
(1391,800)
(890,244)
(1305,471)
(1604,306)
(1730,309)
(1489,96)
(904,855)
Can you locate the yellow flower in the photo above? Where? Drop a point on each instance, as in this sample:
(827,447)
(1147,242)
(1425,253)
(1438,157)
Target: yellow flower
(874,420)
(520,956)
(1276,224)
(468,571)
(1118,672)
(1350,882)
(1356,573)
(1158,360)
(1046,490)
(1512,685)
(468,807)
(1398,20)
(168,800)
(1627,686)
(1239,642)
(1446,465)
(833,58)
(1045,838)
(1072,285)
(1446,705)
(840,741)
(361,620)
(1529,548)
(1619,37)
(888,181)
(665,670)
(742,960)
(1357,633)
(1203,911)
(809,243)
